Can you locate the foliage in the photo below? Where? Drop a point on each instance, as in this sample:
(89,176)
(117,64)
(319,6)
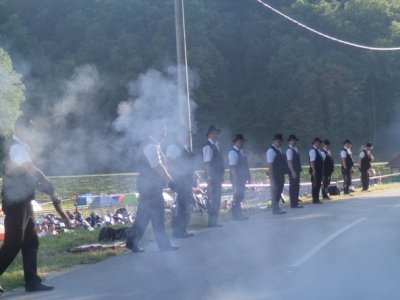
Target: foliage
(259,74)
(11,94)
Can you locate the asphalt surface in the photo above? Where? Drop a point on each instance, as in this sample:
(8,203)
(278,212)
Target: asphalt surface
(343,250)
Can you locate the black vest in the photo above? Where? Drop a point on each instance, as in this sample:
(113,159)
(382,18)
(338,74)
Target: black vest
(149,179)
(349,160)
(319,163)
(365,162)
(217,168)
(242,167)
(296,161)
(329,164)
(279,165)
(18,185)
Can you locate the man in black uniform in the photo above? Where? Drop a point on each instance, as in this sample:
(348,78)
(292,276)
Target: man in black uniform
(214,173)
(329,167)
(294,164)
(277,168)
(364,163)
(316,169)
(347,165)
(20,180)
(153,175)
(181,163)
(239,175)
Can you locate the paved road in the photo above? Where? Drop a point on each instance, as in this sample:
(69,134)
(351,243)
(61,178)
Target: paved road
(338,250)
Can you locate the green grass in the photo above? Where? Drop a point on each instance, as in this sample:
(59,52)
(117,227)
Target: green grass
(53,257)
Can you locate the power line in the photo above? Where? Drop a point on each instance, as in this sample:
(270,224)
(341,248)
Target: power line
(328,36)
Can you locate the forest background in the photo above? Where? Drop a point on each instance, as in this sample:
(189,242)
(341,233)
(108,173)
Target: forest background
(252,72)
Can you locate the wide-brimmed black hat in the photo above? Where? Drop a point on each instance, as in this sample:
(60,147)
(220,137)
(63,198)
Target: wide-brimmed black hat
(292,137)
(327,142)
(277,136)
(368,145)
(316,139)
(347,142)
(239,137)
(212,128)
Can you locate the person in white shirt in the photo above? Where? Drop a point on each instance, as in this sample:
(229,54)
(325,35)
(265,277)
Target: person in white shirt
(20,180)
(347,165)
(180,162)
(294,164)
(214,170)
(277,168)
(153,175)
(364,163)
(239,175)
(316,169)
(329,167)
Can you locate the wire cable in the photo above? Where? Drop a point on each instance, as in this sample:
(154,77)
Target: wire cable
(328,36)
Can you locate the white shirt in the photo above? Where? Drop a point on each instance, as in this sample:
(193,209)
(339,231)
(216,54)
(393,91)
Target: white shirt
(289,152)
(19,153)
(173,152)
(270,155)
(362,154)
(208,152)
(152,152)
(343,153)
(233,157)
(325,155)
(313,154)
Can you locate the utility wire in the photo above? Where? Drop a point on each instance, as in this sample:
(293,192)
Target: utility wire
(328,36)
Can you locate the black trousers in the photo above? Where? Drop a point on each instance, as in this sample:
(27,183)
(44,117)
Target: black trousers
(150,208)
(294,189)
(346,180)
(326,181)
(238,197)
(20,235)
(214,192)
(184,202)
(277,185)
(316,182)
(365,179)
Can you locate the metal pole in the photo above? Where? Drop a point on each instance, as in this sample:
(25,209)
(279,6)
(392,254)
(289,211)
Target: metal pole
(182,68)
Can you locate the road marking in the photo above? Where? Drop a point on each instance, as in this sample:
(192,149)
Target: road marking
(325,242)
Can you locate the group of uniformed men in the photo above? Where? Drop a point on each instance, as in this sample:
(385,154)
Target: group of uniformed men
(176,168)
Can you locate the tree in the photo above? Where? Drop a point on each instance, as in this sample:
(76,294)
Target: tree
(11,94)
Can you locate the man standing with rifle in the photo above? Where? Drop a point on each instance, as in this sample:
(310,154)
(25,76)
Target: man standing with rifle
(214,174)
(20,180)
(329,167)
(180,161)
(364,163)
(240,174)
(347,165)
(316,169)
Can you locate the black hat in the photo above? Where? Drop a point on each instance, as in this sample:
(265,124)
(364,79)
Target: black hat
(317,139)
(239,137)
(292,137)
(327,142)
(277,136)
(347,142)
(212,128)
(368,145)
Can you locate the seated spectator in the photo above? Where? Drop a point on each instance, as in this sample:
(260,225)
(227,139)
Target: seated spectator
(51,230)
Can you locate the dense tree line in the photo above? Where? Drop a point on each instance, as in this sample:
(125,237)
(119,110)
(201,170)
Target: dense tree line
(258,73)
